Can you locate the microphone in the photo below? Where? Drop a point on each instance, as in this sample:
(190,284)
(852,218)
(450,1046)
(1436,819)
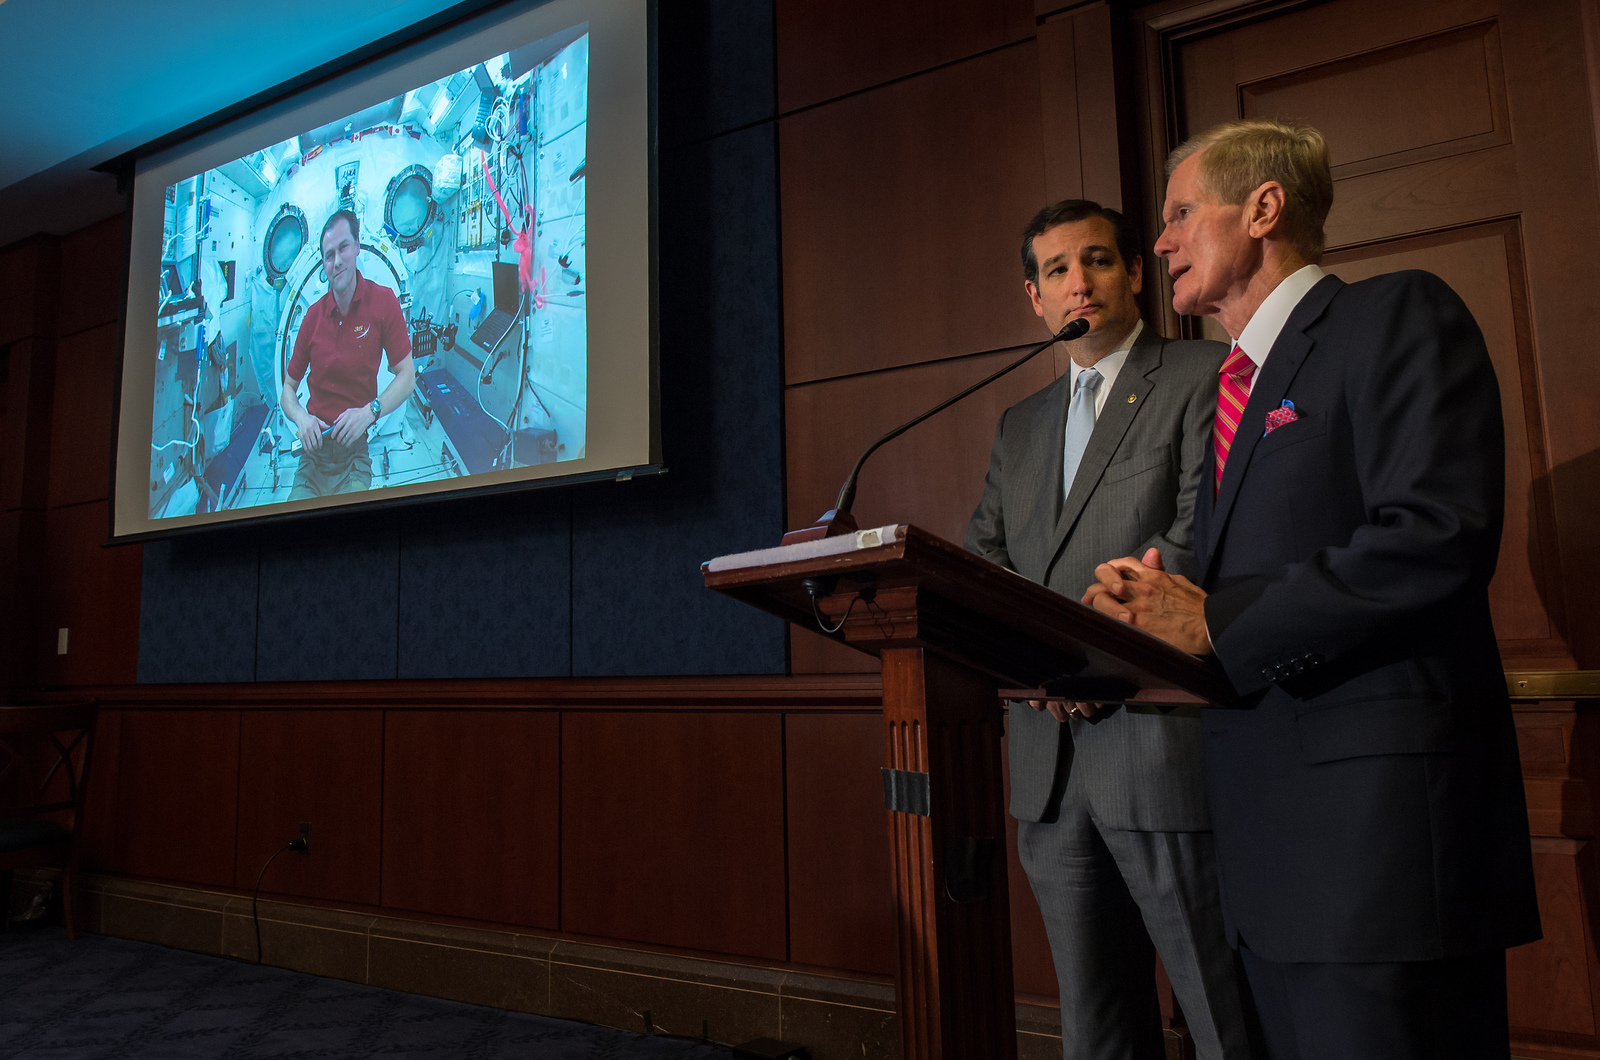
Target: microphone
(838,519)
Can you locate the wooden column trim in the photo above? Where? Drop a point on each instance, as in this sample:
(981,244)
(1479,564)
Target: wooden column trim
(944,720)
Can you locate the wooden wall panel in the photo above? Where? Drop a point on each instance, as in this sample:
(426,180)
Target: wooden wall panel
(29,271)
(1589,13)
(1081,126)
(471,814)
(829,48)
(1422,197)
(1219,75)
(82,411)
(97,845)
(1451,82)
(25,449)
(91,591)
(18,269)
(22,578)
(29,276)
(1100,117)
(841,906)
(177,789)
(1058,105)
(672,830)
(1560,186)
(1549,985)
(323,767)
(1484,265)
(902,214)
(931,476)
(1252,55)
(93,261)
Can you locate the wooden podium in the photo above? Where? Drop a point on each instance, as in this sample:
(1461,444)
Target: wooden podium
(952,630)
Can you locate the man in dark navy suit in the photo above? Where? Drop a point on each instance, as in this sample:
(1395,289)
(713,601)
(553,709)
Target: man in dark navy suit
(1371,833)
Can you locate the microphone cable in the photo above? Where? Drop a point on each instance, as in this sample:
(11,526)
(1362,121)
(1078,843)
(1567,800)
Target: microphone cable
(1073,329)
(255,895)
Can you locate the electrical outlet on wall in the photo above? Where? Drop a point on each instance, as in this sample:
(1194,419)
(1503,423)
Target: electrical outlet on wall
(61,640)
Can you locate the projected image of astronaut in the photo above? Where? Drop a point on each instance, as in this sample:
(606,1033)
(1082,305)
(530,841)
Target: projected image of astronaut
(394,298)
(340,342)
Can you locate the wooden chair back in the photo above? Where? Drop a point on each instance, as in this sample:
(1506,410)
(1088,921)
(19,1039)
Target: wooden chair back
(45,756)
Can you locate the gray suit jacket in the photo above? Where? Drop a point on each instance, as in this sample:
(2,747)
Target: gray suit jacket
(1135,489)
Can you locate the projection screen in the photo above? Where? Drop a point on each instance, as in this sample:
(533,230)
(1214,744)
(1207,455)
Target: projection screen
(379,288)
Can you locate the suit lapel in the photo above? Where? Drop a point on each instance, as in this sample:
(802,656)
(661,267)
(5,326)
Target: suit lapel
(1283,362)
(1109,429)
(1039,471)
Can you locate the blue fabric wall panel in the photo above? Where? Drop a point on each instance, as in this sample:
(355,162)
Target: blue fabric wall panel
(639,605)
(329,599)
(486,588)
(715,67)
(197,611)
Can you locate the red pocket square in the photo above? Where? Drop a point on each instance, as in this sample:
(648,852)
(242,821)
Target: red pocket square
(1279,416)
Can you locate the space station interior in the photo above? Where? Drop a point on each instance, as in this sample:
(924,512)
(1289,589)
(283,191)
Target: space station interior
(470,197)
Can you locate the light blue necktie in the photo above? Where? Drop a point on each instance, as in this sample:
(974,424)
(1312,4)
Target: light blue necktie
(1080,425)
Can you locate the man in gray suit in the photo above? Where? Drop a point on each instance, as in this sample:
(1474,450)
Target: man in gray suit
(1110,802)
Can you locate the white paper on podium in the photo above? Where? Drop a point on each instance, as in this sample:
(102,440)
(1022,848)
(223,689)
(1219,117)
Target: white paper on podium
(827,546)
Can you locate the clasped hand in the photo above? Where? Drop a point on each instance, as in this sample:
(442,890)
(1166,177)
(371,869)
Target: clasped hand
(1143,594)
(350,426)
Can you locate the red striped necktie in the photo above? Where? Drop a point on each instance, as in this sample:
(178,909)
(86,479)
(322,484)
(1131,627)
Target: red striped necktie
(1233,391)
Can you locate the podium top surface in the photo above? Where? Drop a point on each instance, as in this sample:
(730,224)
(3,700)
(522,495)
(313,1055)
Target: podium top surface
(989,617)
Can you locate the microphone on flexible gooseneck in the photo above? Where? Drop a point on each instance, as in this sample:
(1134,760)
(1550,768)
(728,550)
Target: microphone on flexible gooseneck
(839,520)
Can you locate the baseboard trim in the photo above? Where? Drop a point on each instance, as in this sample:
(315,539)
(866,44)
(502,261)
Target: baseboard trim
(835,1017)
(755,692)
(1525,1047)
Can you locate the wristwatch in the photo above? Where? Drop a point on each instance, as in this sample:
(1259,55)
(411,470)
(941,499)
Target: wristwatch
(377,409)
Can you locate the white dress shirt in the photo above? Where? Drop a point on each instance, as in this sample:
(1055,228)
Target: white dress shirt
(1258,336)
(1108,367)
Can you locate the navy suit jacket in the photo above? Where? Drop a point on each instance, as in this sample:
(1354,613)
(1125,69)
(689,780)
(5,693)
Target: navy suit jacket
(1368,800)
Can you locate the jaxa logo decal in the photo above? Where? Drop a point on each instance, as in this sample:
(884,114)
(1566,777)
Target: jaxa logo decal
(361,331)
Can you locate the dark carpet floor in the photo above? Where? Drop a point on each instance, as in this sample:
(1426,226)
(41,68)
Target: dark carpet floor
(109,998)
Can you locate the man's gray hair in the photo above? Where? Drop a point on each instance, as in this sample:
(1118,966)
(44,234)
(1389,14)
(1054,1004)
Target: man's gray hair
(1237,157)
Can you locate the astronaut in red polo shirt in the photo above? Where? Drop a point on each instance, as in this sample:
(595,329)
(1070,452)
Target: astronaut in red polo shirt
(341,339)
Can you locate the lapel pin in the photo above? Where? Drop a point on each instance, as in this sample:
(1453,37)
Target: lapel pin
(1132,398)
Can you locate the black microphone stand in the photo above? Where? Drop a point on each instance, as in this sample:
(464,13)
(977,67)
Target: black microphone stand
(838,519)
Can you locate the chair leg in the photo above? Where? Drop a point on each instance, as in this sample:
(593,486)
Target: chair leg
(69,898)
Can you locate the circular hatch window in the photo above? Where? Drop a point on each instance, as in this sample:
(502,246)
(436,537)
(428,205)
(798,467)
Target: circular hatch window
(408,208)
(286,237)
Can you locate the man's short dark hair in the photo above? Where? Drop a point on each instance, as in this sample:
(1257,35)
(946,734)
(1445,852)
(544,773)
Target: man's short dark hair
(348,215)
(1068,211)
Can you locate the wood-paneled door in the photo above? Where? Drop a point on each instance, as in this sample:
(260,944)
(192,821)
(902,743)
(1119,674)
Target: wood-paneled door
(1463,142)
